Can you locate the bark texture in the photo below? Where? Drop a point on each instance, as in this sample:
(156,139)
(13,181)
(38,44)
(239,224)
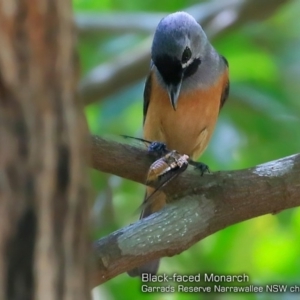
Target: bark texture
(43,207)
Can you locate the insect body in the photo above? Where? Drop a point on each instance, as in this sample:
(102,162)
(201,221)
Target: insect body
(169,165)
(165,169)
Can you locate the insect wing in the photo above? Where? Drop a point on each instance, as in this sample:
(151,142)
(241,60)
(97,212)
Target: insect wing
(168,170)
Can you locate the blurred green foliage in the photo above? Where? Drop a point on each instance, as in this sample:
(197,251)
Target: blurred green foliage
(260,122)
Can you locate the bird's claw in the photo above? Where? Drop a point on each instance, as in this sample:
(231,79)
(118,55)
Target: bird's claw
(158,148)
(200,166)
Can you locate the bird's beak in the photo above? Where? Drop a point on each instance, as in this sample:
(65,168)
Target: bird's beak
(174,91)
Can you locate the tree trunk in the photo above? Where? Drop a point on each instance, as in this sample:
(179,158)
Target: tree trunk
(43,205)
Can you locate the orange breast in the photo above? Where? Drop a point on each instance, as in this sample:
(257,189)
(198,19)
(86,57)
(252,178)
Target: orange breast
(189,128)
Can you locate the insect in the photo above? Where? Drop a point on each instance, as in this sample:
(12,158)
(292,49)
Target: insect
(158,149)
(165,169)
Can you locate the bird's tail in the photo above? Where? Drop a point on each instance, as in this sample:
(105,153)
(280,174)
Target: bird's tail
(150,267)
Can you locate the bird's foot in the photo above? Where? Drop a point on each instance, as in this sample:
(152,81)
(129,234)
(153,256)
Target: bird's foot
(200,166)
(159,149)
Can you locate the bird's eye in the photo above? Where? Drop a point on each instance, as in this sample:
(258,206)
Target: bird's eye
(186,55)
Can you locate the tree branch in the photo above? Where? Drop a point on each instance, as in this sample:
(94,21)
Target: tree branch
(142,22)
(119,72)
(116,23)
(198,206)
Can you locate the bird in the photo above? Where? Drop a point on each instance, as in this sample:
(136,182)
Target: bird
(184,92)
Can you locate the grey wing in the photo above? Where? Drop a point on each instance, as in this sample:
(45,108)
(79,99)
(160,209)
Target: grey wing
(147,92)
(225,92)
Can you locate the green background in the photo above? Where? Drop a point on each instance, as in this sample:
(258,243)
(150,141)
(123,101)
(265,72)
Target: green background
(260,122)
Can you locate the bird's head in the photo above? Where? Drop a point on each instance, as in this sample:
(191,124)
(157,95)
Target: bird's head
(178,47)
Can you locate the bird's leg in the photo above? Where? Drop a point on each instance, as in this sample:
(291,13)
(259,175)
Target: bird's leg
(200,166)
(159,149)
